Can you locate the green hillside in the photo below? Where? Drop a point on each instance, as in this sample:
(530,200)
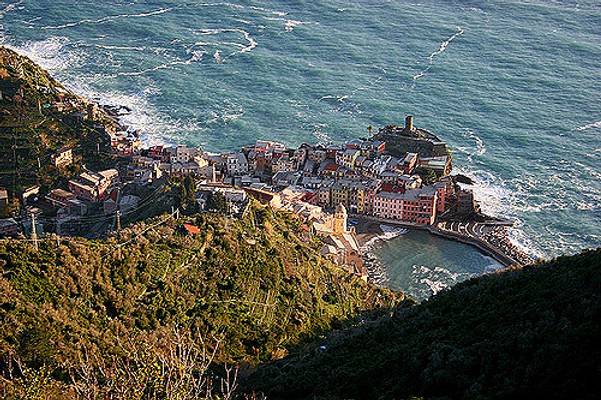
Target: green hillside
(37,117)
(531,333)
(257,286)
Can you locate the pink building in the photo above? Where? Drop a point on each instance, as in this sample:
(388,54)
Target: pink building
(441,195)
(417,206)
(409,163)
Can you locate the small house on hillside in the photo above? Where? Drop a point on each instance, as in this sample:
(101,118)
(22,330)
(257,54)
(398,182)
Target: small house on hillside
(189,230)
(9,227)
(63,157)
(4,209)
(3,198)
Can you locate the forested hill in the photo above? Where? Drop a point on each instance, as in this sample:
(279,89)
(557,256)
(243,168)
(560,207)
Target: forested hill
(531,333)
(104,314)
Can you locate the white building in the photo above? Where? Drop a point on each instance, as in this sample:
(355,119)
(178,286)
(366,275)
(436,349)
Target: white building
(236,164)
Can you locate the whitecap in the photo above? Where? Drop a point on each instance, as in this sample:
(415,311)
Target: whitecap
(321,136)
(419,75)
(441,48)
(251,42)
(231,5)
(480,148)
(108,19)
(114,47)
(596,124)
(10,7)
(291,24)
(196,56)
(244,21)
(270,11)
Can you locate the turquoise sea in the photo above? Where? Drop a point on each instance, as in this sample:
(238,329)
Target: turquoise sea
(513,86)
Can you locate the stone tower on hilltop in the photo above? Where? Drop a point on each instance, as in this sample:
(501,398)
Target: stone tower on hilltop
(340,220)
(409,123)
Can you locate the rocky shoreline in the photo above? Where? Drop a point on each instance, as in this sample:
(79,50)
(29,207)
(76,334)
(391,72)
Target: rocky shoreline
(369,235)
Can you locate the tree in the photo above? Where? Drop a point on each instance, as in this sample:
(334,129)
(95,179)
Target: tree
(217,202)
(190,186)
(187,193)
(428,176)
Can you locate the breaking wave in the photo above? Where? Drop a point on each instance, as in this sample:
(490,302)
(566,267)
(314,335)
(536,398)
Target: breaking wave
(427,281)
(592,125)
(52,54)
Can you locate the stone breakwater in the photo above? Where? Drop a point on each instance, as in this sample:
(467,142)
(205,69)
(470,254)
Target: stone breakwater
(492,239)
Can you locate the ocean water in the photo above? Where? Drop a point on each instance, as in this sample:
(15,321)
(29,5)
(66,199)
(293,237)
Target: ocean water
(421,264)
(513,86)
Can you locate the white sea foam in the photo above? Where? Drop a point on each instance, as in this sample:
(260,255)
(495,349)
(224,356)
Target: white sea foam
(441,49)
(52,53)
(156,127)
(270,11)
(433,280)
(196,56)
(289,24)
(228,114)
(479,148)
(108,19)
(130,48)
(592,125)
(244,48)
(244,21)
(388,233)
(32,20)
(497,200)
(10,7)
(55,55)
(5,10)
(445,44)
(230,5)
(321,136)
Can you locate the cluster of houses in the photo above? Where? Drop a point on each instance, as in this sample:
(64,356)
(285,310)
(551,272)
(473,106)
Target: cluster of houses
(358,177)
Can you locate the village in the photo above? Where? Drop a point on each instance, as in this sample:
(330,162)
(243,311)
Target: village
(330,187)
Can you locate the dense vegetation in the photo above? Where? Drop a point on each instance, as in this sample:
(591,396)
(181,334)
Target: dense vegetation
(531,333)
(81,312)
(32,128)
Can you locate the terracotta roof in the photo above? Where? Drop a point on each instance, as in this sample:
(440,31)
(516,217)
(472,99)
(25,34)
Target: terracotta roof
(191,229)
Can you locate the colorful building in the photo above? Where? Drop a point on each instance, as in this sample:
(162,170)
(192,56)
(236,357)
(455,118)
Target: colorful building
(417,206)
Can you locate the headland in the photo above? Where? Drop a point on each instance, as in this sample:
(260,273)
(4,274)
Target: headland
(90,185)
